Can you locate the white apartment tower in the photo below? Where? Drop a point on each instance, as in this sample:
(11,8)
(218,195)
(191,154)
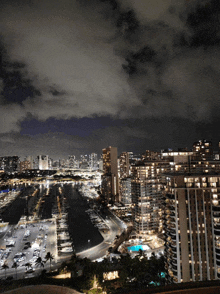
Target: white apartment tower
(147,198)
(192,227)
(43,162)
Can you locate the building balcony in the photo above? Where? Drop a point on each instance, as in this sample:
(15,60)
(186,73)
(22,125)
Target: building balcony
(173,237)
(174,262)
(216,208)
(173,248)
(173,220)
(174,267)
(174,256)
(217,250)
(173,216)
(173,231)
(173,244)
(174,272)
(170,196)
(216,232)
(171,227)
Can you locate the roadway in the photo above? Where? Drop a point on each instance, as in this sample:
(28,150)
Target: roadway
(99,251)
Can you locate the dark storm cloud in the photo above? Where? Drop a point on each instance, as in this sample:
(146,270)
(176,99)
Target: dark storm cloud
(149,60)
(66,47)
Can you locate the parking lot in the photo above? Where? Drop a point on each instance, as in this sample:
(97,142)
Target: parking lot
(25,243)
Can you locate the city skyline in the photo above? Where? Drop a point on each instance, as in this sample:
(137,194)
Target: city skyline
(79,76)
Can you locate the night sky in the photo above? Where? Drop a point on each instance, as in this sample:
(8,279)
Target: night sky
(79,76)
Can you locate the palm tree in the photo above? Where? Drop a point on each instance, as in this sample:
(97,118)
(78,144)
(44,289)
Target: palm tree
(5,267)
(15,266)
(39,262)
(49,257)
(28,265)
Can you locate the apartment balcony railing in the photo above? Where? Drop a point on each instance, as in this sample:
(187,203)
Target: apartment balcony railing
(216,232)
(216,208)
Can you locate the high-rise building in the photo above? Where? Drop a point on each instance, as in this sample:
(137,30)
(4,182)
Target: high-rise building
(110,176)
(84,162)
(31,160)
(9,164)
(124,179)
(151,155)
(43,162)
(93,161)
(203,150)
(100,165)
(124,166)
(24,165)
(72,159)
(125,191)
(50,163)
(192,227)
(147,197)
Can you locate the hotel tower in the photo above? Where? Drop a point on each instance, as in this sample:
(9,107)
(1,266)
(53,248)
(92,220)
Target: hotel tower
(192,227)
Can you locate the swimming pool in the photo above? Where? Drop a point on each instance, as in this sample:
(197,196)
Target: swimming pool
(138,247)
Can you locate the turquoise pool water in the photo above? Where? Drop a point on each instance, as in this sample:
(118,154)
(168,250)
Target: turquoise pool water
(138,247)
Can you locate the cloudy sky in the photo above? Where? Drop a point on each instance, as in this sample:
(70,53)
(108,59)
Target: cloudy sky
(77,76)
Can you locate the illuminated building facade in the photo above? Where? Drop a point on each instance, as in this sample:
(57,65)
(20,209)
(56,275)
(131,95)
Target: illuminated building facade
(203,150)
(72,159)
(147,197)
(192,227)
(110,174)
(124,166)
(124,179)
(93,161)
(125,191)
(31,160)
(25,165)
(9,164)
(43,162)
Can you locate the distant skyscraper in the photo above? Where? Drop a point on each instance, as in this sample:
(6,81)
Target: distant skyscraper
(31,160)
(93,161)
(43,162)
(125,191)
(124,180)
(124,166)
(72,159)
(9,164)
(50,163)
(100,164)
(24,165)
(110,176)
